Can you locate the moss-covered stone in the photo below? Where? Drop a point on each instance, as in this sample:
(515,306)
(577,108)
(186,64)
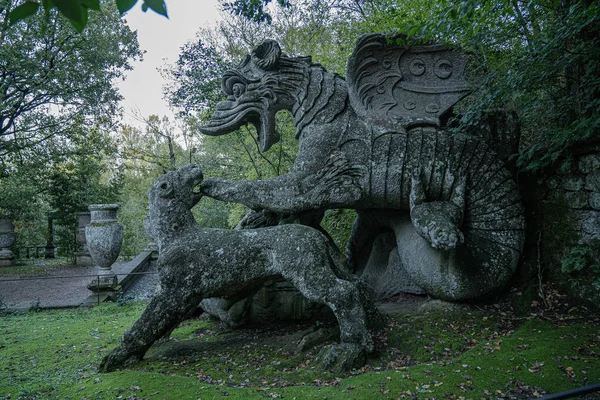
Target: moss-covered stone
(566,242)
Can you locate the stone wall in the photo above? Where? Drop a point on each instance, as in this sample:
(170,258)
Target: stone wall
(569,221)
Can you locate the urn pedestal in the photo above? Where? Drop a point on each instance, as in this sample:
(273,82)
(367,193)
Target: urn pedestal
(82,255)
(7,239)
(104,235)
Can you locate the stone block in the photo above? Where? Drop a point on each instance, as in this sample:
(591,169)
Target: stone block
(572,182)
(592,181)
(590,225)
(83,259)
(576,200)
(589,163)
(594,200)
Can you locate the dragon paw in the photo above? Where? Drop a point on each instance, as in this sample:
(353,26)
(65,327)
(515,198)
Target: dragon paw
(445,237)
(435,222)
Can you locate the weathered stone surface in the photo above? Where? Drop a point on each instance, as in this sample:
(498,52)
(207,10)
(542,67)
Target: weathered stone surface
(7,258)
(384,273)
(592,181)
(196,263)
(589,163)
(440,273)
(594,201)
(374,143)
(440,305)
(275,301)
(576,200)
(104,234)
(572,182)
(231,313)
(82,255)
(7,239)
(590,225)
(317,337)
(344,357)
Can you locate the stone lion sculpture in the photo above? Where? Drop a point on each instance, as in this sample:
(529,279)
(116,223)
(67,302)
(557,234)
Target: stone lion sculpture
(196,263)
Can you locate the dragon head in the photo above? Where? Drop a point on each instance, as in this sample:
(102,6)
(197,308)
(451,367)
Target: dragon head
(255,91)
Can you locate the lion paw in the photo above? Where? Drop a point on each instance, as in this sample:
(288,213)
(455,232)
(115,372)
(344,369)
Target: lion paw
(342,357)
(116,359)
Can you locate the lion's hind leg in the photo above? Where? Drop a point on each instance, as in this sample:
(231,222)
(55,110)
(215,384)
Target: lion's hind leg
(318,283)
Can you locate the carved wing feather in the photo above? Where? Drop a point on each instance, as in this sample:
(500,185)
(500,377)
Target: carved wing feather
(398,85)
(370,74)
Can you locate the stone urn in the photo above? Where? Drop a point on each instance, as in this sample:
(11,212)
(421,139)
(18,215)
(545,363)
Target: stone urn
(104,236)
(82,255)
(7,239)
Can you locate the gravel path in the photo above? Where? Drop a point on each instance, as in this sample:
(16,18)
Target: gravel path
(63,286)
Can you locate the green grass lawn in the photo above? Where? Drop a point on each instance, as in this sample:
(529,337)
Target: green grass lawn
(471,354)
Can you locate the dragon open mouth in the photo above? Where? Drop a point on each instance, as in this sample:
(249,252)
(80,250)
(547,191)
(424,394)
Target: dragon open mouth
(229,117)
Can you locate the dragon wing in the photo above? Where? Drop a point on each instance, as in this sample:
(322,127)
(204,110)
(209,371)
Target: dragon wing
(399,85)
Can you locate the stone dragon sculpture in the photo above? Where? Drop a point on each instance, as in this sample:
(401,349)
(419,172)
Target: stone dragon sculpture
(196,263)
(374,143)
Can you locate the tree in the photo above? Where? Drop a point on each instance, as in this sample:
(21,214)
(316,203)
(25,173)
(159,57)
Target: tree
(195,77)
(539,57)
(76,11)
(58,178)
(51,77)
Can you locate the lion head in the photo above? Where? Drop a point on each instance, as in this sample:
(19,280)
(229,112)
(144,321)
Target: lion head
(264,83)
(172,197)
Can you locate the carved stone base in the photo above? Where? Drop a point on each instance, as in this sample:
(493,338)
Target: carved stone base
(7,258)
(384,272)
(83,259)
(104,282)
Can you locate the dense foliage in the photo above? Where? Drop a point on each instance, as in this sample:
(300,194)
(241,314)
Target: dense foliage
(54,79)
(540,57)
(57,103)
(76,11)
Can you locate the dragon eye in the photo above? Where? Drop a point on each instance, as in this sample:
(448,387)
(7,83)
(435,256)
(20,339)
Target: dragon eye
(238,89)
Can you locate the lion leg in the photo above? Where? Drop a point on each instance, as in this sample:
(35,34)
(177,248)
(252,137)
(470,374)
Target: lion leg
(164,312)
(343,297)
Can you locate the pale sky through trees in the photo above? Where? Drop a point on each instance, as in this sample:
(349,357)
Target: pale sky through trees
(161,38)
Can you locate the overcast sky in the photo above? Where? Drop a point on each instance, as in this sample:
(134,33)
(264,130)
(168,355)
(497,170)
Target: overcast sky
(161,38)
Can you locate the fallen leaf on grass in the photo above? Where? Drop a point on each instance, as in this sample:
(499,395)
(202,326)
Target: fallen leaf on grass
(536,368)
